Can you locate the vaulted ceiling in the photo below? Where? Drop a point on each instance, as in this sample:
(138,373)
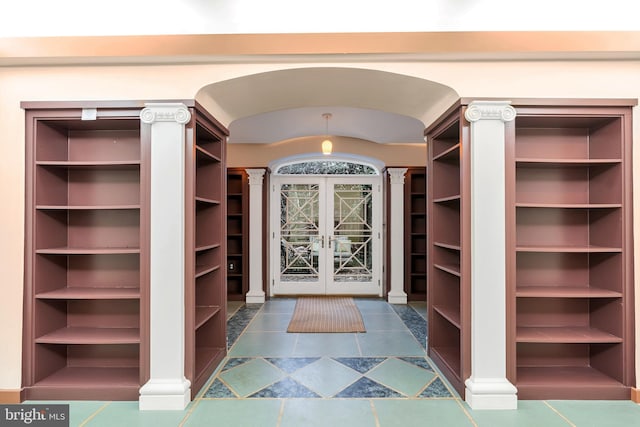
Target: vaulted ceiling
(368,104)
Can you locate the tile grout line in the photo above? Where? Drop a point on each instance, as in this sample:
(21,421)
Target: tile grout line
(459,402)
(375,413)
(244,330)
(92,416)
(280,413)
(559,414)
(196,402)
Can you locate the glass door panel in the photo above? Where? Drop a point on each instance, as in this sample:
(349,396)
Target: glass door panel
(300,233)
(352,238)
(326,237)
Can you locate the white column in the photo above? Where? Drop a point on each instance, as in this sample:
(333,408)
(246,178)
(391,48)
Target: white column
(488,387)
(255,294)
(167,387)
(396,236)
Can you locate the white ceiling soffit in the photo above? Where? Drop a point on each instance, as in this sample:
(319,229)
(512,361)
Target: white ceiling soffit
(292,102)
(367,124)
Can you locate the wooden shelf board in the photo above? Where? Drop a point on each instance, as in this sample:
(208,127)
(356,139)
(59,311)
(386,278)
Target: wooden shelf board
(87,293)
(112,164)
(205,356)
(569,205)
(560,375)
(450,153)
(91,377)
(448,199)
(565,292)
(568,382)
(207,247)
(564,334)
(554,162)
(568,249)
(447,246)
(87,207)
(206,361)
(87,251)
(201,153)
(204,313)
(201,270)
(449,268)
(205,200)
(451,314)
(450,356)
(82,335)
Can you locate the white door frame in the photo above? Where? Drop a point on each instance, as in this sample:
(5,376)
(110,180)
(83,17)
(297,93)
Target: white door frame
(325,286)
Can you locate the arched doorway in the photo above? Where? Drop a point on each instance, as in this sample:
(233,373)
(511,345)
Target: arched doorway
(326,222)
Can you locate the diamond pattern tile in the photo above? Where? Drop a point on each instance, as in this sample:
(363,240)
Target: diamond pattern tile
(436,389)
(251,376)
(219,390)
(360,364)
(326,376)
(366,387)
(385,362)
(399,375)
(286,388)
(290,365)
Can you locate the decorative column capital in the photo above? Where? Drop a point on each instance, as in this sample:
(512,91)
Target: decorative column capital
(490,110)
(256,176)
(396,175)
(165,112)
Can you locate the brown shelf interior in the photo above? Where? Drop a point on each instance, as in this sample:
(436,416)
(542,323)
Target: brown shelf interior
(237,232)
(86,272)
(206,336)
(569,254)
(447,331)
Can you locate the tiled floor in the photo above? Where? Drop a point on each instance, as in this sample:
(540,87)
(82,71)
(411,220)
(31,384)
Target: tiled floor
(378,378)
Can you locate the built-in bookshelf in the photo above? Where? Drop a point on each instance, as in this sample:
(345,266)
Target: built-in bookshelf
(86,294)
(415,235)
(571,281)
(448,284)
(86,275)
(206,290)
(237,234)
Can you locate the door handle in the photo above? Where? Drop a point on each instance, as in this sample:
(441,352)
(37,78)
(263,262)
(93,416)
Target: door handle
(322,241)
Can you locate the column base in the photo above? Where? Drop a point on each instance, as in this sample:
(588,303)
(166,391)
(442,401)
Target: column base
(165,395)
(491,394)
(397,298)
(255,297)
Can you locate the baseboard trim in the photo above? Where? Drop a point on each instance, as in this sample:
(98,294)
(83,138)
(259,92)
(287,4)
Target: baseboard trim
(10,396)
(635,395)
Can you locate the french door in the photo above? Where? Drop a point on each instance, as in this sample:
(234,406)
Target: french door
(326,235)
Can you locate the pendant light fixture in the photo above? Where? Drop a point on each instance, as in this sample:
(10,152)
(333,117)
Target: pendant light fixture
(327,145)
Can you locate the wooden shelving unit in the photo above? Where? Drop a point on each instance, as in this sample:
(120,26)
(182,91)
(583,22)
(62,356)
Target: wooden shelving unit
(415,234)
(237,234)
(206,292)
(448,282)
(571,252)
(86,320)
(86,316)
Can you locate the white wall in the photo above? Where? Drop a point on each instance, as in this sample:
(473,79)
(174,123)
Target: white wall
(584,79)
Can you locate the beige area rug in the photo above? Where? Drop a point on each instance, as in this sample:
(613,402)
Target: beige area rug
(326,314)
